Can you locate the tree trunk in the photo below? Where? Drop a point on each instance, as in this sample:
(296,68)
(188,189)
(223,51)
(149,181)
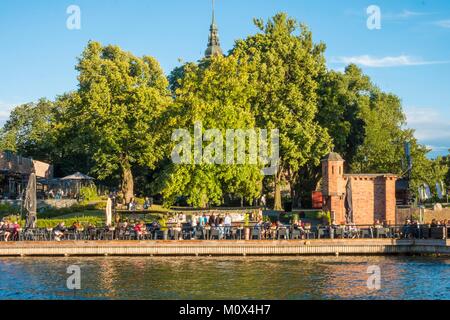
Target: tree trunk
(278,206)
(127,185)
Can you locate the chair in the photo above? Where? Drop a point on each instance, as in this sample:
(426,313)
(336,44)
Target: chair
(187,233)
(381,232)
(108,235)
(366,233)
(176,234)
(215,234)
(424,232)
(296,234)
(199,234)
(282,232)
(339,233)
(321,232)
(256,233)
(27,235)
(71,235)
(92,234)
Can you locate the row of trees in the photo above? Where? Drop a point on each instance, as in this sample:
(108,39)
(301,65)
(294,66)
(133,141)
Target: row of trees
(118,124)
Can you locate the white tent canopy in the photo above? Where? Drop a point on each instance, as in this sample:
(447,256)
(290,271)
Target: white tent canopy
(78,177)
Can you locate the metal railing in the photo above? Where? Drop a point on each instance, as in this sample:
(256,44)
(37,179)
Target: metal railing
(231,233)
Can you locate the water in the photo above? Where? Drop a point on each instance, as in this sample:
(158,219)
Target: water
(406,278)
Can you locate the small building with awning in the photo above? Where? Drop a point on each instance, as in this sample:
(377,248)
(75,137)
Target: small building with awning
(15,171)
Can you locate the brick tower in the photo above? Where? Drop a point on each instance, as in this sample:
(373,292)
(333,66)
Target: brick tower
(333,186)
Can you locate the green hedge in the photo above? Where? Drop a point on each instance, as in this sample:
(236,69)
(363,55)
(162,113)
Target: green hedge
(8,209)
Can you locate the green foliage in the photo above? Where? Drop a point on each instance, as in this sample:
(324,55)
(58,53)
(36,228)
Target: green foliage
(89,193)
(285,67)
(84,220)
(325,216)
(119,101)
(215,93)
(29,130)
(8,209)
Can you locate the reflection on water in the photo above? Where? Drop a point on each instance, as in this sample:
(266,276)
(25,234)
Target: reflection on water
(226,278)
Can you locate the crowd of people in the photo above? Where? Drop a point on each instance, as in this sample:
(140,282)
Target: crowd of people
(414,229)
(224,226)
(9,230)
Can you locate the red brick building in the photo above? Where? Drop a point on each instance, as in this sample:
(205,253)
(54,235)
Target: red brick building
(357,198)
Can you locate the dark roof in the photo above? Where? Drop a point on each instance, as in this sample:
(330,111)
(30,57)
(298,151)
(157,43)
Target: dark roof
(333,156)
(370,175)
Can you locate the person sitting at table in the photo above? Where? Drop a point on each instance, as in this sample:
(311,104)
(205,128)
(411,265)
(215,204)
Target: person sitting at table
(377,224)
(212,220)
(203,220)
(221,227)
(59,230)
(207,230)
(218,219)
(300,226)
(140,230)
(76,226)
(178,235)
(406,229)
(273,230)
(194,224)
(6,230)
(228,223)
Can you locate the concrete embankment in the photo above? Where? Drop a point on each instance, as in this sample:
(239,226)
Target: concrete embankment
(226,248)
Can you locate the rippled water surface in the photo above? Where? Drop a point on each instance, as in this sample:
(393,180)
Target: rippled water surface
(226,278)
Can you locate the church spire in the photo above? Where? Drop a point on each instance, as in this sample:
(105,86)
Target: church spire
(213,42)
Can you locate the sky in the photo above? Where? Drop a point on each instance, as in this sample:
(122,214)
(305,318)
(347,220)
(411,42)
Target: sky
(408,55)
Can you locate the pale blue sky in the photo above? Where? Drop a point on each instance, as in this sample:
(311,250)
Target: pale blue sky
(409,55)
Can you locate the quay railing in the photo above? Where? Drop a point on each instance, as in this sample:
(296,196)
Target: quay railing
(262,233)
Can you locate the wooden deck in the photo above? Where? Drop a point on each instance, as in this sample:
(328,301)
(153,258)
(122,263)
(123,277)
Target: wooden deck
(225,248)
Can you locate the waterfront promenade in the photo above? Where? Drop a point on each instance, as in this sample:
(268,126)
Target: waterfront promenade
(227,248)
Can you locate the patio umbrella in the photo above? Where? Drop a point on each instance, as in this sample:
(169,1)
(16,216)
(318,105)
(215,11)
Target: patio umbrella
(78,176)
(30,203)
(349,202)
(108,212)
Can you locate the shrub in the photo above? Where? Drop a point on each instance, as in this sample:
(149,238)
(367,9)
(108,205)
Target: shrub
(89,193)
(6,209)
(325,216)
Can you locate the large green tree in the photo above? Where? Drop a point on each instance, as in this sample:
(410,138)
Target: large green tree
(216,93)
(29,130)
(116,111)
(286,65)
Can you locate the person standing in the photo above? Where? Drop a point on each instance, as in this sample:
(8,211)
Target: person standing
(263,202)
(194,224)
(227,223)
